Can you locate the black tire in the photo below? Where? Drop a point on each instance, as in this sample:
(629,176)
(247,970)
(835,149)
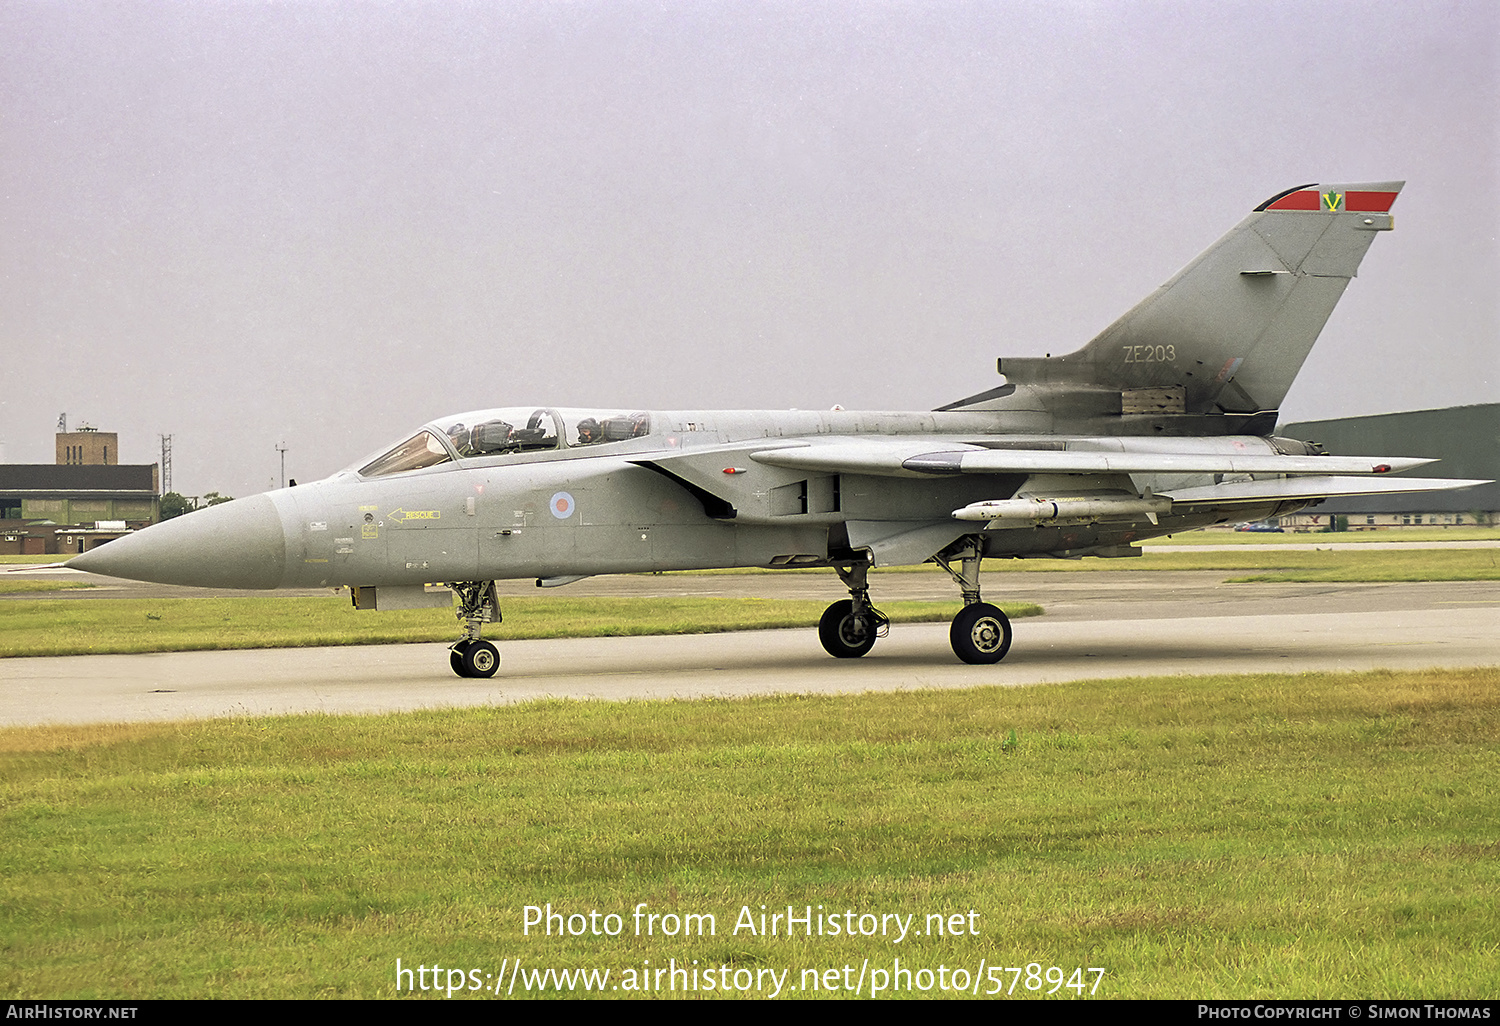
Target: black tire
(844,635)
(456,658)
(980,634)
(481,659)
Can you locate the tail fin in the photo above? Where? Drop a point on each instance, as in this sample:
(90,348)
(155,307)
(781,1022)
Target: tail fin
(1228,333)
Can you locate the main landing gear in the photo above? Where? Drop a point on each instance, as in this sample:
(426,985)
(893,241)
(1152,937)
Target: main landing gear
(980,633)
(471,656)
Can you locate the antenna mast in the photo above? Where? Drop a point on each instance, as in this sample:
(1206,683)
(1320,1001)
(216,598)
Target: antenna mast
(166,464)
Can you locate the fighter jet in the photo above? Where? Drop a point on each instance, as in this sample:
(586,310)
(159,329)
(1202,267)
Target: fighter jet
(1163,423)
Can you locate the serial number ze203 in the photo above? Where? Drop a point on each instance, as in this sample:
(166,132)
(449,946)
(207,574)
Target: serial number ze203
(1150,354)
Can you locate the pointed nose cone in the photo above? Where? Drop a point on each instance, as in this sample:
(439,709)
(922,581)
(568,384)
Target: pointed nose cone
(237,544)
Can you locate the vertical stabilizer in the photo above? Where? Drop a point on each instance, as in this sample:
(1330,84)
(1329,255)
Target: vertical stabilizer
(1229,332)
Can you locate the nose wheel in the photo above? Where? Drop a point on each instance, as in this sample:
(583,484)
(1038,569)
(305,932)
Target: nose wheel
(844,633)
(849,628)
(474,659)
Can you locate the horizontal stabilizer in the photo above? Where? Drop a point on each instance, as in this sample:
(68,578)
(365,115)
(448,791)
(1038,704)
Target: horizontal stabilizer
(1311,488)
(1112,507)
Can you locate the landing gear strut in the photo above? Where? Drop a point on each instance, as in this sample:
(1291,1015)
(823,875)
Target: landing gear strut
(981,632)
(471,656)
(849,628)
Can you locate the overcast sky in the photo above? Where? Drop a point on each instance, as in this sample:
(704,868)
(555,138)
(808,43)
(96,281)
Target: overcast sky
(322,224)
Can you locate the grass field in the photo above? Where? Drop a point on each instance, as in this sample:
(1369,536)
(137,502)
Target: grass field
(16,587)
(1342,565)
(1229,837)
(1404,534)
(1367,563)
(1247,538)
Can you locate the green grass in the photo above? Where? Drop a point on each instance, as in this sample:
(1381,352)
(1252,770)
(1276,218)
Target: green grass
(1402,534)
(16,587)
(1401,565)
(82,627)
(1290,836)
(1301,565)
(1367,563)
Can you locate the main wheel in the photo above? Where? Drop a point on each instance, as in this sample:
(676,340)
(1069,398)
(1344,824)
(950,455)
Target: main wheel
(481,659)
(843,634)
(456,657)
(980,634)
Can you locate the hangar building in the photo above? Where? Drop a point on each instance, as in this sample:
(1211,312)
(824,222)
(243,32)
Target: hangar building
(1465,438)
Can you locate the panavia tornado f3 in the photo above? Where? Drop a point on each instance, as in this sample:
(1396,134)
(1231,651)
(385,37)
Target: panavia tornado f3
(1160,424)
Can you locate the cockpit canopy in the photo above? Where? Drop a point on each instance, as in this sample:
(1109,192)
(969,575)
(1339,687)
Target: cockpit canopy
(503,432)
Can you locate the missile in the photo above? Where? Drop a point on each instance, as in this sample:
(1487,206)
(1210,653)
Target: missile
(1035,509)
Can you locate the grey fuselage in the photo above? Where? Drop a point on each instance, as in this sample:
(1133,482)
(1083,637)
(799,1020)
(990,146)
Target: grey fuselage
(686,496)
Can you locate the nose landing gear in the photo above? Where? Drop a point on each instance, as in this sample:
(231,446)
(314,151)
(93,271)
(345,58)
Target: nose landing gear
(471,656)
(849,628)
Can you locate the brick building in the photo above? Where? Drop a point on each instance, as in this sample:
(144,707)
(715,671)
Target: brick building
(83,500)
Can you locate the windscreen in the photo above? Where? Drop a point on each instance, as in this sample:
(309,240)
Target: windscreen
(422,449)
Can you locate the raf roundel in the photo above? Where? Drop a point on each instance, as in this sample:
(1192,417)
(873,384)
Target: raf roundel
(562,505)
